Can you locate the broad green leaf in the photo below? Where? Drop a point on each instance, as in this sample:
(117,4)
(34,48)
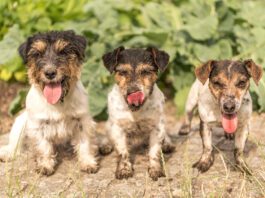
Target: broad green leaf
(180,99)
(18,102)
(10,44)
(201,28)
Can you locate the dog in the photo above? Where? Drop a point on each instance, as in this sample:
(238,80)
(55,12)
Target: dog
(221,93)
(56,110)
(135,107)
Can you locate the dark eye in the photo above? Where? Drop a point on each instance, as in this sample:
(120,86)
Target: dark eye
(36,54)
(63,52)
(146,72)
(218,84)
(241,84)
(122,73)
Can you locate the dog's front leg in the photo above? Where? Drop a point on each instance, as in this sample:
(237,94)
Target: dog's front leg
(124,166)
(155,169)
(46,157)
(207,158)
(86,150)
(240,140)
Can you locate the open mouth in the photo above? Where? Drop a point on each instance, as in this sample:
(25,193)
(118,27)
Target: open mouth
(135,99)
(53,92)
(229,122)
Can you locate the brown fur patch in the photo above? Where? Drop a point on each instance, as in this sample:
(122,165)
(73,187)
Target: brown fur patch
(60,45)
(38,45)
(233,84)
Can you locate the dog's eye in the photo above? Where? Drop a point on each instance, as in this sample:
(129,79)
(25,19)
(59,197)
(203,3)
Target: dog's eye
(122,73)
(36,54)
(218,84)
(146,72)
(241,84)
(63,52)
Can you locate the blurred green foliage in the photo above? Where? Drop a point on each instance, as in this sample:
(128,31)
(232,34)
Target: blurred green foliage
(191,31)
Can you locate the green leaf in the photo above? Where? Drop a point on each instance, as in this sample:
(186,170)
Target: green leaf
(201,28)
(10,44)
(180,99)
(18,102)
(260,91)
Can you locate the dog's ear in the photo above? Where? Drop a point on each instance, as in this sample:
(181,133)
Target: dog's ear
(161,58)
(203,72)
(110,59)
(254,70)
(22,50)
(80,44)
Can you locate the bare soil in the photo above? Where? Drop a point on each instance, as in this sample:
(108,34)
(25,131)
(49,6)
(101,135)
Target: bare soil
(18,178)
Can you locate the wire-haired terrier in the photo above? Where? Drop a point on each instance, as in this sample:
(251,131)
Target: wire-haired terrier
(135,107)
(57,104)
(221,93)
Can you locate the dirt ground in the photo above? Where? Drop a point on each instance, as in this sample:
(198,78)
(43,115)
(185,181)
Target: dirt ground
(18,178)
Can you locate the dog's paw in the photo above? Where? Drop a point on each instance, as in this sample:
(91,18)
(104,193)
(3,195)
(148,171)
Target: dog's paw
(45,170)
(229,136)
(90,168)
(155,172)
(204,164)
(5,154)
(168,147)
(184,129)
(124,170)
(105,149)
(45,166)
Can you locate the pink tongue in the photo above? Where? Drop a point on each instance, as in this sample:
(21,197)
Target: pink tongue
(52,93)
(136,98)
(229,123)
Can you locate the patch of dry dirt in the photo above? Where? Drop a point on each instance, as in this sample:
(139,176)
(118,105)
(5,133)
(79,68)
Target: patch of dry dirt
(20,179)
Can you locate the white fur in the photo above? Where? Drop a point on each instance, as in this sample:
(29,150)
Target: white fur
(50,124)
(152,111)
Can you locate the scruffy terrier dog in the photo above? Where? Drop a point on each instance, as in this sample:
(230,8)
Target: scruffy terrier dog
(222,96)
(135,107)
(57,104)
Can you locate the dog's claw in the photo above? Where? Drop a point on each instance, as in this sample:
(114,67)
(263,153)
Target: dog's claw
(184,129)
(155,173)
(229,136)
(168,147)
(90,169)
(204,165)
(124,172)
(45,171)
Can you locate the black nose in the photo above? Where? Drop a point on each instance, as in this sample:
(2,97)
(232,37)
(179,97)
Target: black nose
(132,89)
(229,107)
(50,74)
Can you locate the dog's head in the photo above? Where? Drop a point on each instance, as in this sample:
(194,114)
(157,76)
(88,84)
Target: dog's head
(228,82)
(136,72)
(54,62)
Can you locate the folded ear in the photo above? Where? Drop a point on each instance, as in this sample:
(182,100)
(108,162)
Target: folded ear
(81,43)
(161,58)
(110,59)
(203,72)
(254,70)
(22,50)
